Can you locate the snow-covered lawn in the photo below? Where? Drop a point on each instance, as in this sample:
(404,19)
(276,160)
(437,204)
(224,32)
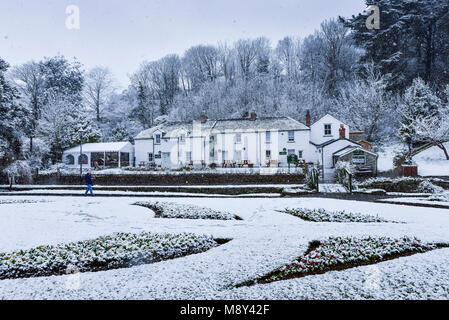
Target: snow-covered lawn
(432,162)
(263,241)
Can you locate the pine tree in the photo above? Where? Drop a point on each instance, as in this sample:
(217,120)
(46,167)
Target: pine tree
(419,102)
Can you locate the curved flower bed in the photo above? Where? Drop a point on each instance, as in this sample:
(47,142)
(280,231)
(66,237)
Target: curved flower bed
(184,211)
(322,215)
(110,252)
(344,253)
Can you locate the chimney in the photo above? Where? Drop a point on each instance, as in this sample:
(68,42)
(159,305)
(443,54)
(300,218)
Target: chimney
(253,115)
(203,117)
(308,122)
(342,132)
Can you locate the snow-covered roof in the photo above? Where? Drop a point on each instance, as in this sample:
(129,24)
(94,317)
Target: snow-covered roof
(222,125)
(101,147)
(350,149)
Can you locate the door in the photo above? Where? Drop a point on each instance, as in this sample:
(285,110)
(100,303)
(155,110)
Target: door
(166,162)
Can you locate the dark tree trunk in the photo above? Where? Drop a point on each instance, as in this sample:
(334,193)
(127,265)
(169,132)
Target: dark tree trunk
(442,147)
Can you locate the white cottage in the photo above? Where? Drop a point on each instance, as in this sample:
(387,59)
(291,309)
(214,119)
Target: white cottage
(252,141)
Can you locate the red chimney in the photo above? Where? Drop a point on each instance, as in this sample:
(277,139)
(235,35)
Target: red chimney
(308,122)
(342,132)
(253,115)
(203,117)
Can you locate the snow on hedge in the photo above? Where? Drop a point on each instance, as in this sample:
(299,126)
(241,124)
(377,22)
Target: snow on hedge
(322,215)
(342,253)
(184,211)
(109,252)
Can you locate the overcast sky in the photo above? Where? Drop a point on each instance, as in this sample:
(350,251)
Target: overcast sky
(121,34)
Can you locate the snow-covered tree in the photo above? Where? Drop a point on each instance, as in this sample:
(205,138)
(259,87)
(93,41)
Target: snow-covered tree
(98,88)
(365,101)
(419,102)
(13,118)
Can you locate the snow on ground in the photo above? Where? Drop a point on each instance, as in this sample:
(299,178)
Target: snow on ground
(432,162)
(263,241)
(386,156)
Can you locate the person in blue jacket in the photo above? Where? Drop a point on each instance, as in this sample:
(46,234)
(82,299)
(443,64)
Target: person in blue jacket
(89,183)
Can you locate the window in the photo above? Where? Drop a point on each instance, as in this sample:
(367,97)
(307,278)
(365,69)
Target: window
(327,129)
(238,138)
(158,139)
(291,136)
(268,137)
(150,157)
(300,154)
(124,159)
(97,158)
(268,154)
(83,159)
(188,156)
(70,160)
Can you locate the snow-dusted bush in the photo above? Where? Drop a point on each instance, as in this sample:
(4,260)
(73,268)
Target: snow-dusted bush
(19,169)
(428,187)
(322,215)
(402,184)
(183,211)
(340,253)
(444,197)
(109,252)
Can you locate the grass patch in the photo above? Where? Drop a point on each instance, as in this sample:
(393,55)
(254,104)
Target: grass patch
(121,250)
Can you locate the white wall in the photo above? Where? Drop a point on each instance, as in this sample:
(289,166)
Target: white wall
(317,130)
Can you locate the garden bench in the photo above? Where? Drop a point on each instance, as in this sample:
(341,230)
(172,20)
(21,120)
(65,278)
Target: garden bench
(228,163)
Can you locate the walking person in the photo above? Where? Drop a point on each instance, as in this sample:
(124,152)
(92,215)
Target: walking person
(89,183)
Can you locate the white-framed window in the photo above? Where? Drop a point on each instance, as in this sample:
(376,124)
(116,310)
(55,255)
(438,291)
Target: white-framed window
(291,136)
(188,156)
(268,154)
(327,129)
(158,139)
(300,154)
(268,137)
(150,157)
(238,138)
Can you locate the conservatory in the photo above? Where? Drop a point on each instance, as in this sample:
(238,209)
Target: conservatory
(95,155)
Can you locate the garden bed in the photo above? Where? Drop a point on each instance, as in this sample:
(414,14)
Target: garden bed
(403,185)
(322,215)
(121,250)
(173,210)
(343,253)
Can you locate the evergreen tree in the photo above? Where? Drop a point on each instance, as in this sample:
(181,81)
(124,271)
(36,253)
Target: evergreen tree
(13,118)
(419,102)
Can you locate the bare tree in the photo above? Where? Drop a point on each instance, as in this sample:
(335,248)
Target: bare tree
(99,86)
